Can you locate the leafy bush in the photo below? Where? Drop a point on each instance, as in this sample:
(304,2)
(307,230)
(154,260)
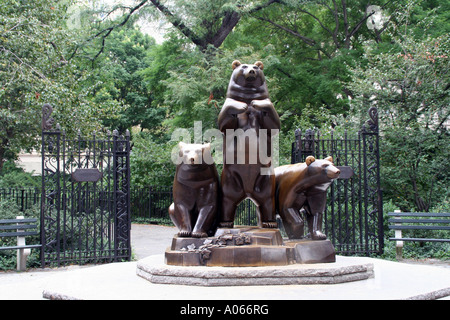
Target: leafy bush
(13,176)
(150,162)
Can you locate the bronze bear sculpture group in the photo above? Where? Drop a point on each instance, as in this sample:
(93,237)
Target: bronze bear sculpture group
(202,202)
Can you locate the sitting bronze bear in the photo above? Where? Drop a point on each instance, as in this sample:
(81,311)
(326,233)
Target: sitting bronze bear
(195,192)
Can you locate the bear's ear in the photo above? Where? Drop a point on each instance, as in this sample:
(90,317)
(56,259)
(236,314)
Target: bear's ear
(330,158)
(206,147)
(235,64)
(181,145)
(259,64)
(309,160)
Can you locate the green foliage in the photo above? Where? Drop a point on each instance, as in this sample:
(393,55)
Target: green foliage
(13,176)
(150,162)
(120,73)
(324,68)
(19,179)
(35,68)
(408,84)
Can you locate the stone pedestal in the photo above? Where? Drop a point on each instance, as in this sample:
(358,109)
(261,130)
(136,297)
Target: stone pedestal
(247,247)
(156,271)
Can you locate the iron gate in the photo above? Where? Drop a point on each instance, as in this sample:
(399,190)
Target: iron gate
(85,206)
(354,214)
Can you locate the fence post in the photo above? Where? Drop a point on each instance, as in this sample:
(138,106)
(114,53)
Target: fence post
(22,254)
(121,167)
(51,189)
(150,203)
(398,244)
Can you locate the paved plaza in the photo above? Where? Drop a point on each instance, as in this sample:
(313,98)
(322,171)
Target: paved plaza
(118,281)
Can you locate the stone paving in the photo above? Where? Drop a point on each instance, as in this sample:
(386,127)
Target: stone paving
(392,280)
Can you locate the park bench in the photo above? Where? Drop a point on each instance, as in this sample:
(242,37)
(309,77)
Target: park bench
(416,221)
(20,228)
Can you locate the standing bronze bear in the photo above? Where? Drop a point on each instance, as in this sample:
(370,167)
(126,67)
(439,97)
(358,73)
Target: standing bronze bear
(247,108)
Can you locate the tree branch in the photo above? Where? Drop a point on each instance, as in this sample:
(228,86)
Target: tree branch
(177,23)
(230,20)
(307,40)
(106,32)
(318,20)
(344,10)
(364,19)
(265,5)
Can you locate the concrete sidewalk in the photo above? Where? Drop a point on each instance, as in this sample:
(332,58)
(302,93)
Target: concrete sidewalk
(118,281)
(146,240)
(393,280)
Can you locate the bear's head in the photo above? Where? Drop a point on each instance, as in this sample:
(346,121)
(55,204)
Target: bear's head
(324,167)
(247,82)
(194,154)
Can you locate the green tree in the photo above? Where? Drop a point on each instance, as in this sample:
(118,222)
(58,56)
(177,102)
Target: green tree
(121,72)
(315,43)
(409,84)
(35,68)
(150,162)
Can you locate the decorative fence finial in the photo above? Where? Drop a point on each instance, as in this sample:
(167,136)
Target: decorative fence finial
(47,121)
(372,123)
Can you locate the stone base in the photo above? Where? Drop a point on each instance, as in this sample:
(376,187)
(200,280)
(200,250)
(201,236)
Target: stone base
(157,272)
(247,247)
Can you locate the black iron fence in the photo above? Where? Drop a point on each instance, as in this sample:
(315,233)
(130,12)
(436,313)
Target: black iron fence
(148,204)
(85,214)
(25,198)
(85,197)
(87,203)
(151,204)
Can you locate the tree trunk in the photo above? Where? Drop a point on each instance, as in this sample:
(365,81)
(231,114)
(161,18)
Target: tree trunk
(421,205)
(2,154)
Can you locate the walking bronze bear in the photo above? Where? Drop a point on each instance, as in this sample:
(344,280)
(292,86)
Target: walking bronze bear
(304,185)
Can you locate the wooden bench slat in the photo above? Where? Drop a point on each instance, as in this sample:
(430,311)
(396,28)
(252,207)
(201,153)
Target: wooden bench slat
(400,220)
(21,247)
(20,227)
(415,227)
(27,220)
(19,234)
(420,239)
(418,214)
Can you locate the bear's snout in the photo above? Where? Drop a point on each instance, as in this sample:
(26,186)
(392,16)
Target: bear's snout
(193,157)
(250,74)
(333,172)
